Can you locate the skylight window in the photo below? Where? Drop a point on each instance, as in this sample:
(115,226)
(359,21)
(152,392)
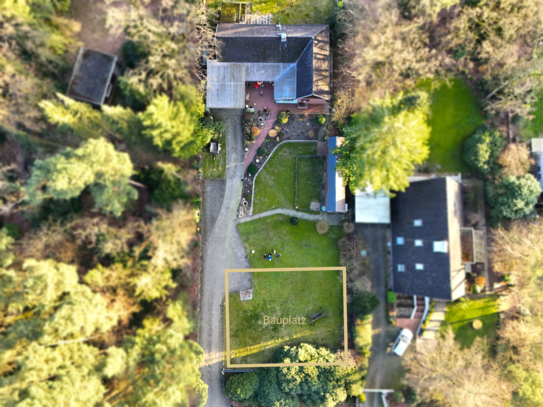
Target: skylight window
(441,247)
(419,266)
(401,267)
(417,222)
(418,243)
(399,240)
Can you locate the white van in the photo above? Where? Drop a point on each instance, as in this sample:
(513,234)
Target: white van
(402,342)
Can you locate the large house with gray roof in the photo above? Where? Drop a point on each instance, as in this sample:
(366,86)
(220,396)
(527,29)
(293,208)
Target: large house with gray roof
(430,246)
(295,58)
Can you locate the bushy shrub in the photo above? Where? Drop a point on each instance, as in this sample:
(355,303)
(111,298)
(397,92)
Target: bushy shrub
(252,169)
(362,337)
(320,119)
(282,117)
(322,227)
(410,396)
(250,137)
(12,230)
(476,289)
(255,131)
(261,151)
(242,387)
(512,197)
(348,227)
(293,221)
(391,297)
(518,120)
(480,281)
(364,303)
(398,396)
(506,278)
(483,148)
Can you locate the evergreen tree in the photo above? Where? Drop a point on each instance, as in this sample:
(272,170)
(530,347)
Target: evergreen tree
(383,144)
(513,197)
(242,387)
(483,148)
(95,165)
(175,126)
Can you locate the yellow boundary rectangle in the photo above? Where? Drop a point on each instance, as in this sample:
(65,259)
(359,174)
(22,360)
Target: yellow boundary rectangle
(345,335)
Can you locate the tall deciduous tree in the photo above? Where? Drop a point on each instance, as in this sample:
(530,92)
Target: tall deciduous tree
(172,39)
(394,53)
(175,125)
(95,165)
(515,160)
(451,376)
(383,144)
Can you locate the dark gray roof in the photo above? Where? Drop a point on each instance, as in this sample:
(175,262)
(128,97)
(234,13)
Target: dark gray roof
(427,201)
(261,49)
(304,72)
(306,45)
(91,76)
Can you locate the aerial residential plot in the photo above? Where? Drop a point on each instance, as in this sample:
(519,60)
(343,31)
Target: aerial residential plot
(286,307)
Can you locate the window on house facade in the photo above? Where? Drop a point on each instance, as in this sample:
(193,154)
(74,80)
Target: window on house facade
(419,266)
(399,240)
(417,222)
(418,242)
(401,267)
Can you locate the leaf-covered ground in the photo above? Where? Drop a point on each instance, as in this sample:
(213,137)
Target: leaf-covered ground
(287,293)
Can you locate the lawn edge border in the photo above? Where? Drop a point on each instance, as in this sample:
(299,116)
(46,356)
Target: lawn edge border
(263,165)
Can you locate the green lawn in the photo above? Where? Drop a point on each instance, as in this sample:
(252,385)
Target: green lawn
(310,181)
(283,295)
(292,11)
(290,293)
(460,315)
(455,114)
(274,186)
(215,165)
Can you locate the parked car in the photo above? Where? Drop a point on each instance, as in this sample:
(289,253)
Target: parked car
(402,342)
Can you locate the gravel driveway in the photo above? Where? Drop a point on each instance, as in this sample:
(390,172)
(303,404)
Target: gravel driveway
(223,249)
(384,368)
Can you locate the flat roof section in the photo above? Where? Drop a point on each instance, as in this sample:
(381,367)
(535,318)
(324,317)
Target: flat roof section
(225,85)
(371,207)
(91,76)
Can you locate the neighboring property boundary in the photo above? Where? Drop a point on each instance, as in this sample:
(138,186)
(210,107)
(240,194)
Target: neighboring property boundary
(296,181)
(343,270)
(268,159)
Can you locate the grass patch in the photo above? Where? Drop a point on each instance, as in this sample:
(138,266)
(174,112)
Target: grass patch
(461,314)
(534,127)
(455,115)
(280,295)
(292,11)
(215,165)
(310,180)
(274,186)
(283,293)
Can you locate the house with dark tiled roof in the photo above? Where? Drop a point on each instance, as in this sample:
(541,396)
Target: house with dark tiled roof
(294,58)
(430,246)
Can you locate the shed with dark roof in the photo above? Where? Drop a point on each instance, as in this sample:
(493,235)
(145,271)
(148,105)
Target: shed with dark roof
(93,77)
(426,222)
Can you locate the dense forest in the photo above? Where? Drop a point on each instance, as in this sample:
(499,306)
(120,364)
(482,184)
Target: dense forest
(99,209)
